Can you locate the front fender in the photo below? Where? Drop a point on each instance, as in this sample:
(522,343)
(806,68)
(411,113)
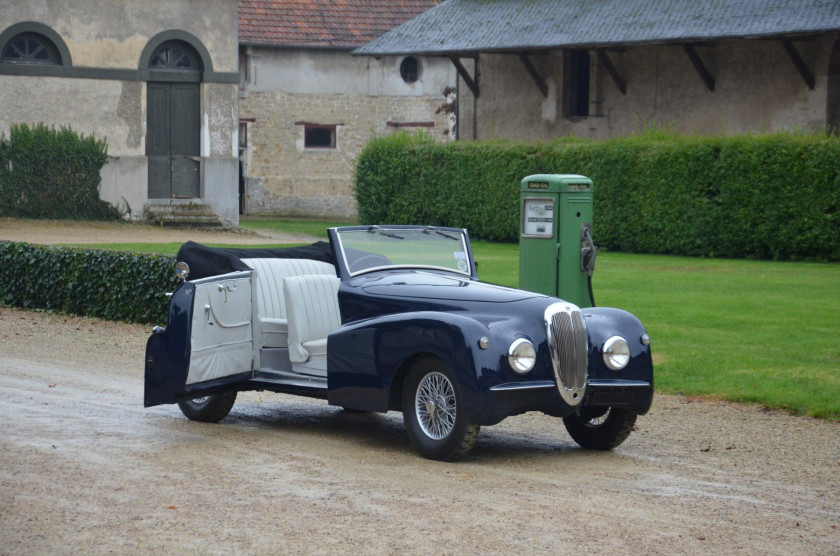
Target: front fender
(631,388)
(365,358)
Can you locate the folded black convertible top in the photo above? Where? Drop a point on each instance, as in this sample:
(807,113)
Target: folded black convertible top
(207,261)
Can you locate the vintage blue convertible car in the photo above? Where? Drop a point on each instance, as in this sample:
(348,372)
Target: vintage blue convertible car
(395,318)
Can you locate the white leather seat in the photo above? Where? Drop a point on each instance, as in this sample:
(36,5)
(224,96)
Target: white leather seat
(271,304)
(312,304)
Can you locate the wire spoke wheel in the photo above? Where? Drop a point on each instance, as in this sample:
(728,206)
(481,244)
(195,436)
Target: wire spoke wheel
(435,405)
(598,420)
(434,411)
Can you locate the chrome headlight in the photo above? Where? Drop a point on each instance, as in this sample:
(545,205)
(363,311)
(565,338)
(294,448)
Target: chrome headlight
(522,355)
(616,353)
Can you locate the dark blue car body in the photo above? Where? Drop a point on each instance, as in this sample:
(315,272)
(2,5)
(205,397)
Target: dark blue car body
(396,319)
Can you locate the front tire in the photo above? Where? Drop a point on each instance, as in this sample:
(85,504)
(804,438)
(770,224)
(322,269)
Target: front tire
(434,415)
(600,430)
(208,409)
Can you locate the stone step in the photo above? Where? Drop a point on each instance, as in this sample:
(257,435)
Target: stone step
(183,215)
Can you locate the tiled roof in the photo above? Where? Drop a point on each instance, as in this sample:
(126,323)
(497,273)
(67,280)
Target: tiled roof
(322,23)
(516,25)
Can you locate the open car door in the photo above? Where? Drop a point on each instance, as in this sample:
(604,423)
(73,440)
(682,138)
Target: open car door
(208,345)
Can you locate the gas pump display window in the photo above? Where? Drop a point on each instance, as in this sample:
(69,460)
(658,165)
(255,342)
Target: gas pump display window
(538,217)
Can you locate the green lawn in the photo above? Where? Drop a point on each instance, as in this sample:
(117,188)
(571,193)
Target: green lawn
(316,228)
(762,332)
(753,331)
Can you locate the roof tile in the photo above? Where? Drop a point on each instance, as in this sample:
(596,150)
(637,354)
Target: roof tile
(463,26)
(323,23)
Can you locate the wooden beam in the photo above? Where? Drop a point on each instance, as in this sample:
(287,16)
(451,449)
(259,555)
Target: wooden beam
(797,60)
(462,71)
(541,85)
(618,79)
(700,67)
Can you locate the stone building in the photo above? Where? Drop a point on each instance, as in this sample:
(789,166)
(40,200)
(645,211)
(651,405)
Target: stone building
(156,78)
(307,108)
(547,68)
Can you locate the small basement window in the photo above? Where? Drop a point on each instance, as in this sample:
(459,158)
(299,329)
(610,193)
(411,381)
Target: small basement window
(319,136)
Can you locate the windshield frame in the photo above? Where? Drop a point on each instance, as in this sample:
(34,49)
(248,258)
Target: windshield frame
(460,235)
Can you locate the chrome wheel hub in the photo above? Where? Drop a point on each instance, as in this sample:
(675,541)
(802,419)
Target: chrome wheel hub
(435,406)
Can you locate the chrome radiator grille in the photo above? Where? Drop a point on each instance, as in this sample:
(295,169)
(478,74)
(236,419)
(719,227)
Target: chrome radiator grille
(566,332)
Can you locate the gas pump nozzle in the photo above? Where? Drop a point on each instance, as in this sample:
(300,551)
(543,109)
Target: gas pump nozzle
(588,250)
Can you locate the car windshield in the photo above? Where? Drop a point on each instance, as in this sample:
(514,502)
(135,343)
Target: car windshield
(375,247)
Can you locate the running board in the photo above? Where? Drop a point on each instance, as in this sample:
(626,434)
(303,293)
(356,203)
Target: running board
(286,378)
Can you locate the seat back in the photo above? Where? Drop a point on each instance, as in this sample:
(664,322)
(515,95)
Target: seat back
(270,274)
(312,304)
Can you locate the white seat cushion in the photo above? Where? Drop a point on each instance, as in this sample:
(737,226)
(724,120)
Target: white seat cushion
(312,303)
(275,332)
(271,304)
(317,349)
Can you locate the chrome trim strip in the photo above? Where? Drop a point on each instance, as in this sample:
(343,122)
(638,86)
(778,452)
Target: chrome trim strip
(607,383)
(512,386)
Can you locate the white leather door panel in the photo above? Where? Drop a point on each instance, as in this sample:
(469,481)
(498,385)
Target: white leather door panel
(222,336)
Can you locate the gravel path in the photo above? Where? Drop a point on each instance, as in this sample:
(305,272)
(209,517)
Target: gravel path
(63,231)
(85,468)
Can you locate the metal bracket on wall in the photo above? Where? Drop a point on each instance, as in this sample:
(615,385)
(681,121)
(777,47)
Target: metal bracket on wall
(800,64)
(462,71)
(605,62)
(700,67)
(541,85)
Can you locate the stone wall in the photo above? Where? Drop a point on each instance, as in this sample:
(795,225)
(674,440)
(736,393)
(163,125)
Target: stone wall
(281,88)
(283,177)
(102,89)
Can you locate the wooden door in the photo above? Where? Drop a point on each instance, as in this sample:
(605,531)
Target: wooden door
(173,140)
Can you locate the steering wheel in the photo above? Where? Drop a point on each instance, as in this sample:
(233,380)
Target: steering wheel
(369,261)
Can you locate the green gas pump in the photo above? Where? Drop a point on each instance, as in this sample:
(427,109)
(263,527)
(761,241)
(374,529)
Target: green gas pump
(556,252)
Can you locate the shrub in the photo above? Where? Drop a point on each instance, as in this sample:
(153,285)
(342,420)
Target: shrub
(773,196)
(49,173)
(112,285)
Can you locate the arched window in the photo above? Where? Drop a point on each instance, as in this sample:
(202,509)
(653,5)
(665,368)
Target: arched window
(175,55)
(30,48)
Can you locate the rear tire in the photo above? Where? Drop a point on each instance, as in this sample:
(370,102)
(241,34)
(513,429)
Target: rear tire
(433,413)
(208,409)
(600,430)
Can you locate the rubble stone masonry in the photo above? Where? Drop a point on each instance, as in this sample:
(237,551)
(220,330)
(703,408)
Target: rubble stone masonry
(284,178)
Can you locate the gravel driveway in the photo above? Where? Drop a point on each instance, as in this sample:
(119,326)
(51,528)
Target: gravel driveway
(85,468)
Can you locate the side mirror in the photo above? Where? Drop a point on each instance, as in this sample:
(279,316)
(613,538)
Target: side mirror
(182,270)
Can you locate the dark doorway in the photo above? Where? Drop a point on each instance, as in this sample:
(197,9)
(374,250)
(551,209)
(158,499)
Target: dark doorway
(832,119)
(173,129)
(575,83)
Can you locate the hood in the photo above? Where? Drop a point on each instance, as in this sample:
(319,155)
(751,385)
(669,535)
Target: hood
(432,285)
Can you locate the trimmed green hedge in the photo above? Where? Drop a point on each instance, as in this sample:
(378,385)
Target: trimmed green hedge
(49,173)
(111,285)
(769,197)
